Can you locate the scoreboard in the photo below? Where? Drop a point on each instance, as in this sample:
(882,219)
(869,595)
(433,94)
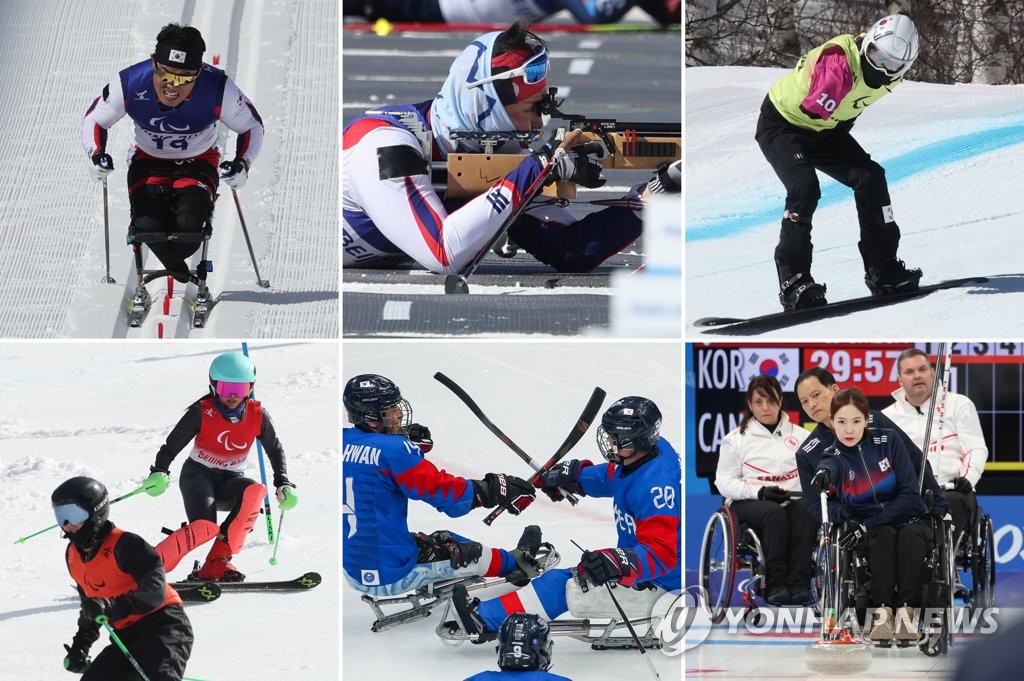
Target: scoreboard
(991,374)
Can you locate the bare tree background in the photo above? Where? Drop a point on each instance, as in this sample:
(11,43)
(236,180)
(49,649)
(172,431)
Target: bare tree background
(962,41)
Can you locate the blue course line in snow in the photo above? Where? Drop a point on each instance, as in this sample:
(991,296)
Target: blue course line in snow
(897,169)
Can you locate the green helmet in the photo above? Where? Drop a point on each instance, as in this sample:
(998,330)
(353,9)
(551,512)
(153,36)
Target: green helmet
(233,367)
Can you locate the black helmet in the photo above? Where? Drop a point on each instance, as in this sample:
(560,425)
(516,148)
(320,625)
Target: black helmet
(631,423)
(523,643)
(367,396)
(82,501)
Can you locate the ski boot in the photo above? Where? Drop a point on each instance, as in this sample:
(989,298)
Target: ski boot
(800,291)
(892,276)
(218,567)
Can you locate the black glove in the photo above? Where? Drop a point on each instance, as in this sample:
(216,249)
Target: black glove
(609,565)
(420,435)
(579,164)
(94,607)
(102,165)
(443,545)
(507,491)
(76,660)
(564,475)
(962,485)
(234,173)
(854,535)
(773,493)
(822,478)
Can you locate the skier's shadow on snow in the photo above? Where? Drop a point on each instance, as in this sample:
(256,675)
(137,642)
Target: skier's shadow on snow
(70,604)
(265,297)
(1000,283)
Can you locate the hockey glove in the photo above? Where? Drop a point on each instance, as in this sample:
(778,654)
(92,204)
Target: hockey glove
(773,493)
(420,436)
(102,165)
(234,173)
(157,482)
(287,499)
(609,565)
(499,489)
(822,478)
(94,607)
(565,476)
(962,485)
(76,660)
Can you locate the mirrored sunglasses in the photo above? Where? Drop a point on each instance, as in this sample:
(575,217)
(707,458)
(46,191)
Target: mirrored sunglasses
(885,63)
(533,71)
(70,513)
(174,78)
(228,389)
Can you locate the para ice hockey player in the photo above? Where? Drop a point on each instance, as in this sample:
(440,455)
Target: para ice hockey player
(383,468)
(122,577)
(643,478)
(524,651)
(225,424)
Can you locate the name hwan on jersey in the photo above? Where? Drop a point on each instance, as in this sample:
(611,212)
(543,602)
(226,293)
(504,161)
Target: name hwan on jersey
(361,454)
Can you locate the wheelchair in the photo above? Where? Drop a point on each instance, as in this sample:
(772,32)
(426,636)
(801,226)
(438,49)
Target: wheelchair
(843,577)
(975,555)
(728,548)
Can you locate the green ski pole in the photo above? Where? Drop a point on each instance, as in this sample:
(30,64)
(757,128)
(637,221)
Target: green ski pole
(277,540)
(22,540)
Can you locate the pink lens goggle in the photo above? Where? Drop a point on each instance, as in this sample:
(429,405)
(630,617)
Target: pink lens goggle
(227,389)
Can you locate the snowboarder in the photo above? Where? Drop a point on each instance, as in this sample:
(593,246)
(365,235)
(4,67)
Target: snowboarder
(524,651)
(805,125)
(225,424)
(174,101)
(120,576)
(383,466)
(503,11)
(643,478)
(392,213)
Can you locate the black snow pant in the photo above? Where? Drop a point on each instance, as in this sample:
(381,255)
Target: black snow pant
(896,556)
(161,644)
(963,508)
(207,490)
(787,536)
(795,154)
(171,198)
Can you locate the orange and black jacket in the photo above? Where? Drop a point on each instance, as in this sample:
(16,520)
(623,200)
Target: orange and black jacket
(123,568)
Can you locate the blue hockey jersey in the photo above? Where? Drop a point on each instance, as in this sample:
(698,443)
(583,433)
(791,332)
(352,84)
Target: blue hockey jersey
(381,473)
(647,510)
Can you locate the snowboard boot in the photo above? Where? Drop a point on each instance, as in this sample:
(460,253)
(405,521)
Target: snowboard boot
(892,276)
(881,624)
(800,291)
(218,567)
(525,555)
(468,610)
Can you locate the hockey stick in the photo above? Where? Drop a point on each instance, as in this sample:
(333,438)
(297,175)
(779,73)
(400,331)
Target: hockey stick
(478,412)
(941,359)
(456,283)
(581,426)
(22,540)
(629,625)
(252,256)
(263,467)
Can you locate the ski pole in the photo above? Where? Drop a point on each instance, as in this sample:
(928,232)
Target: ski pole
(263,466)
(22,540)
(629,625)
(102,619)
(106,232)
(252,256)
(280,522)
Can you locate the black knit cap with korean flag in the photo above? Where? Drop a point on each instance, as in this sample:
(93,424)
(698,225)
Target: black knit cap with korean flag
(180,47)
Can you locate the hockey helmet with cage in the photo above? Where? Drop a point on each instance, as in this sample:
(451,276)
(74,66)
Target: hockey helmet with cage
(890,45)
(81,501)
(524,643)
(367,396)
(631,423)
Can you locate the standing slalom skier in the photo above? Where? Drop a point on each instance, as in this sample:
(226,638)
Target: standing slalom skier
(224,425)
(120,576)
(174,101)
(805,126)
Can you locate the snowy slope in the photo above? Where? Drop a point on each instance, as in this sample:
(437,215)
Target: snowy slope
(56,56)
(953,158)
(534,392)
(103,410)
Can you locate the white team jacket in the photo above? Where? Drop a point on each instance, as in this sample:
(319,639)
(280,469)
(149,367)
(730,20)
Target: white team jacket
(759,458)
(963,451)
